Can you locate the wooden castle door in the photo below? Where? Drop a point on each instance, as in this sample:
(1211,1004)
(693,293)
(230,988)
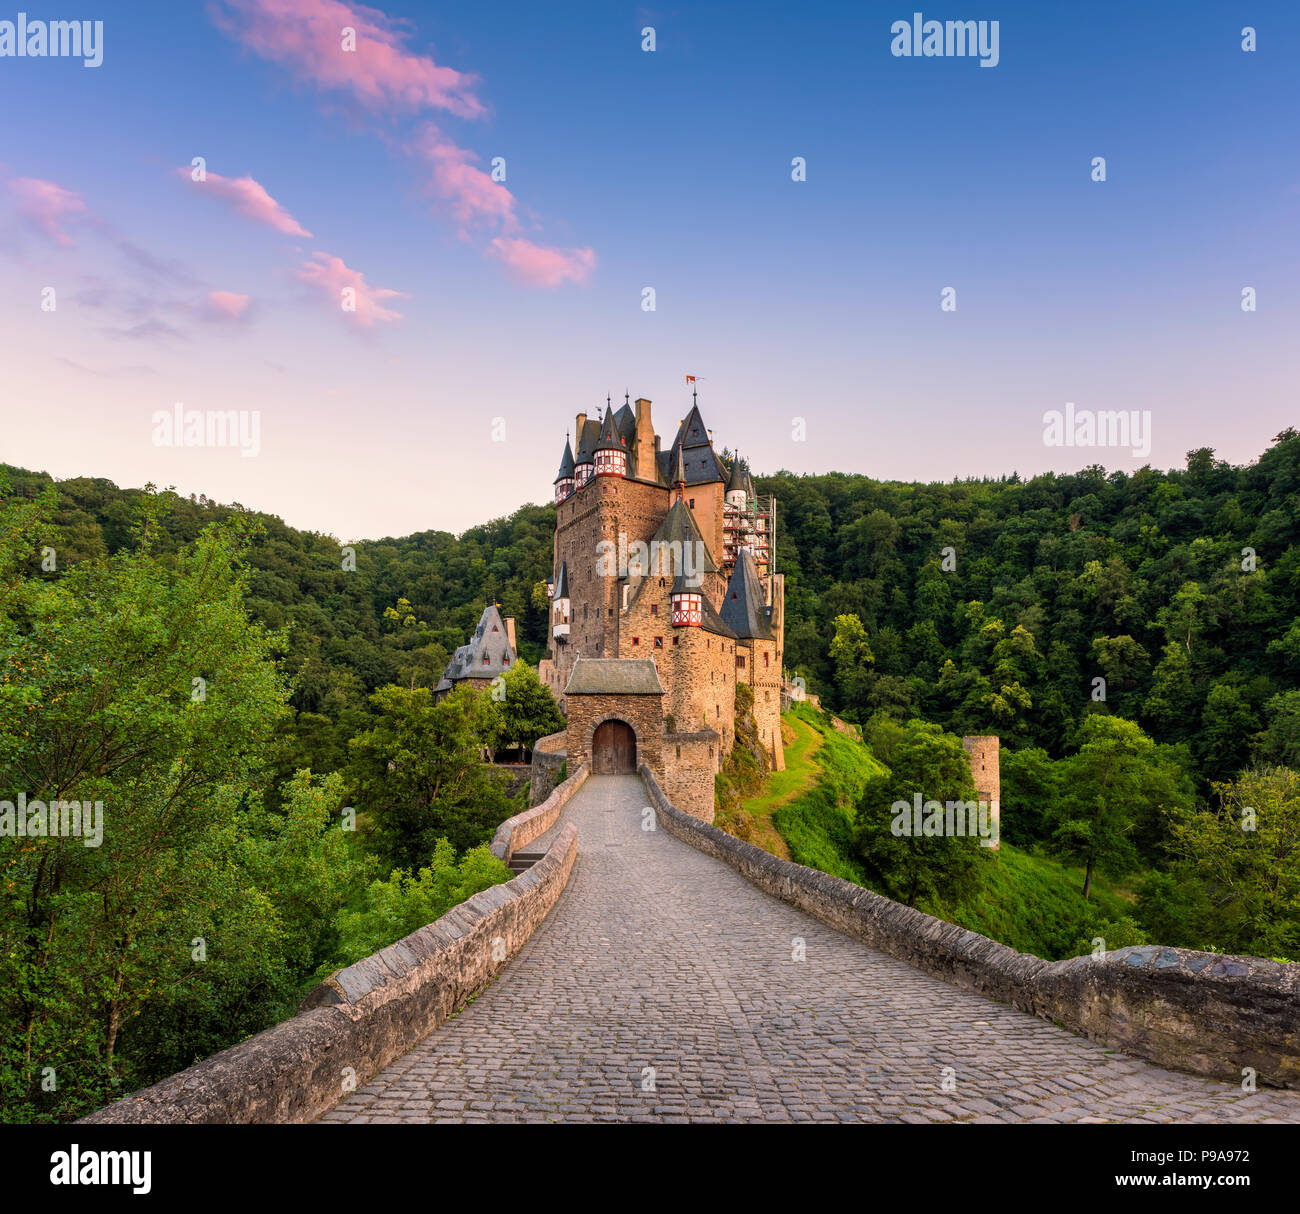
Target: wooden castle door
(613,749)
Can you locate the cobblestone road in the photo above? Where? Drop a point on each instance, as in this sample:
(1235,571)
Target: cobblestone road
(657,956)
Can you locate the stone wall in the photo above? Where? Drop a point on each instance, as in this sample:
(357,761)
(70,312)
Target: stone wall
(360,1018)
(690,761)
(516,833)
(1201,1012)
(548,759)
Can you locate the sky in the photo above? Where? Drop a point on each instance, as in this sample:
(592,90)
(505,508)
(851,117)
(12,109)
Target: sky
(486,313)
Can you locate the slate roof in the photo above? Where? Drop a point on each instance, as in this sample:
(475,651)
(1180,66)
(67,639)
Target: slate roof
(587,441)
(679,527)
(678,475)
(489,639)
(625,420)
(737,478)
(562,582)
(614,676)
(743,608)
(700,463)
(566,463)
(610,438)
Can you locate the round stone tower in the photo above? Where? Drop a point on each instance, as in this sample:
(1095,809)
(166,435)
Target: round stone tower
(983,751)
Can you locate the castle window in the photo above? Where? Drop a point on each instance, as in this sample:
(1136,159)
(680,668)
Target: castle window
(636,640)
(485,659)
(654,608)
(675,639)
(740,661)
(659,642)
(692,503)
(679,751)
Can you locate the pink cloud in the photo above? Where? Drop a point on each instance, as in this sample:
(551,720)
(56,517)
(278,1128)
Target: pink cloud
(331,277)
(540,266)
(47,206)
(472,194)
(249,198)
(307,36)
(226,305)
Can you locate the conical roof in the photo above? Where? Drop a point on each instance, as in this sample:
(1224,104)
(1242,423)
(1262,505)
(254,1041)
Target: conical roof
(679,528)
(743,608)
(737,478)
(610,440)
(587,442)
(562,582)
(678,474)
(566,463)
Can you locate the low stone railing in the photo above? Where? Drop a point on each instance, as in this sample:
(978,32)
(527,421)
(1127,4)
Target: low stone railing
(514,833)
(1207,1013)
(363,1017)
(548,760)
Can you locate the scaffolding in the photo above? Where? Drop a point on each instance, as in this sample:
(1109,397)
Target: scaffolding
(751,526)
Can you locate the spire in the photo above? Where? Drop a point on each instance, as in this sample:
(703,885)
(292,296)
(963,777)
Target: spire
(679,474)
(736,482)
(566,462)
(609,440)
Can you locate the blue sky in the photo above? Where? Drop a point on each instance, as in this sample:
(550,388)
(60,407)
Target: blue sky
(816,300)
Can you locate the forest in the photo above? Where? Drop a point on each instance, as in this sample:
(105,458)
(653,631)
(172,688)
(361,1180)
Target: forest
(233,689)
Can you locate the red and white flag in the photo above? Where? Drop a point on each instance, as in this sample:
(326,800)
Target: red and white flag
(690,379)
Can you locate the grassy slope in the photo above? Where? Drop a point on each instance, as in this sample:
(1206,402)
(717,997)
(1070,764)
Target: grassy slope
(1029,902)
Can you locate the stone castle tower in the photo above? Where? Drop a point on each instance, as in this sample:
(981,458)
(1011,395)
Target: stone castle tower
(984,753)
(663,559)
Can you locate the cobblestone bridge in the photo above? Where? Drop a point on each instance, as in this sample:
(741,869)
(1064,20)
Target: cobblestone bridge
(657,956)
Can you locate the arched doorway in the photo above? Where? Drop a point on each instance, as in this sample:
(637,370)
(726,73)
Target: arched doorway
(613,749)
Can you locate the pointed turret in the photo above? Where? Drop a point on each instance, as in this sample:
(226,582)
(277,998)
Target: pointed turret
(564,481)
(678,475)
(736,492)
(611,449)
(584,465)
(743,608)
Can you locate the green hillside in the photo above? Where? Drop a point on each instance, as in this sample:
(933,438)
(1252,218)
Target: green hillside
(1029,902)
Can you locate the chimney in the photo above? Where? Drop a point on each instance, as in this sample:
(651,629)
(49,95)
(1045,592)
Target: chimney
(647,442)
(578,424)
(510,633)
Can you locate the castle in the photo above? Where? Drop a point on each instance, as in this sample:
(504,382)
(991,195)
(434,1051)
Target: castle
(663,598)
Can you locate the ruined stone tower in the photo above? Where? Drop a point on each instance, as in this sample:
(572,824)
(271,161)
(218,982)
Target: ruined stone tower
(984,753)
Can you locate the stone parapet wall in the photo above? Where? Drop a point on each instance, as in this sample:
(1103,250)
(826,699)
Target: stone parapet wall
(1202,1012)
(360,1018)
(548,759)
(514,833)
